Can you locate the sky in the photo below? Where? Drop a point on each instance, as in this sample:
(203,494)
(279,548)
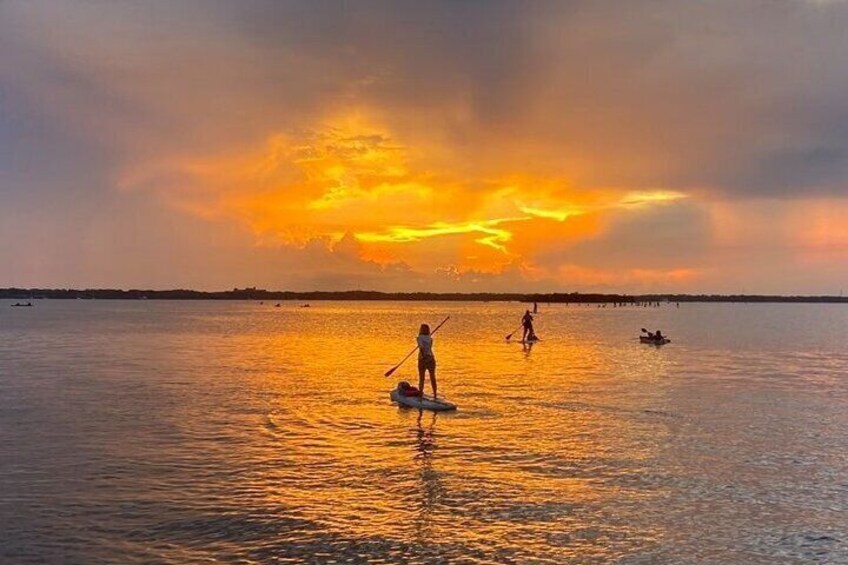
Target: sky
(638,146)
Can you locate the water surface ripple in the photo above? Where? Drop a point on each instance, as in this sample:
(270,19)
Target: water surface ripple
(234,432)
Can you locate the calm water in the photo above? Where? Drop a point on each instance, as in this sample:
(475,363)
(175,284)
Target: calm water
(190,432)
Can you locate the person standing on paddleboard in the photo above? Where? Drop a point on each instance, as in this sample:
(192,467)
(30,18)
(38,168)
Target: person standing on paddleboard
(527,324)
(426,359)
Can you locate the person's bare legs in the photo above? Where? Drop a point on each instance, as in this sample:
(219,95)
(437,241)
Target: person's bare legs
(433,379)
(422,367)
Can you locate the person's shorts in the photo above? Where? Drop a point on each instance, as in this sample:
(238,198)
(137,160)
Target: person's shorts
(427,364)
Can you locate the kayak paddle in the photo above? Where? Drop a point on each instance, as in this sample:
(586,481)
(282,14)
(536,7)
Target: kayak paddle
(509,337)
(396,367)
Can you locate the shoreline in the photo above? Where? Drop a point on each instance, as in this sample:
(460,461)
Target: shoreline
(367,295)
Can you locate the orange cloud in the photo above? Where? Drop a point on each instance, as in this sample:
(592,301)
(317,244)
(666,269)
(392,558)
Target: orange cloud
(491,235)
(821,229)
(351,176)
(622,278)
(641,198)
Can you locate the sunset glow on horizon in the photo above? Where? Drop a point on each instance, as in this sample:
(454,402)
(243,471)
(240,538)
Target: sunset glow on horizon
(446,147)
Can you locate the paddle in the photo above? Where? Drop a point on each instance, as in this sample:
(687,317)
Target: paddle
(396,367)
(509,337)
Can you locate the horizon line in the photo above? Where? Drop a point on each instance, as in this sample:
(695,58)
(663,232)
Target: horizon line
(253,293)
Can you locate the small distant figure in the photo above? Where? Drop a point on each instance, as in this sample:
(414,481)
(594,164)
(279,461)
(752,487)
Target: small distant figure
(277,305)
(535,307)
(656,336)
(426,359)
(305,306)
(527,324)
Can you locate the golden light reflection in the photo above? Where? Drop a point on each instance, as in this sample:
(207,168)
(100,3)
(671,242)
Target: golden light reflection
(492,236)
(559,215)
(364,467)
(650,197)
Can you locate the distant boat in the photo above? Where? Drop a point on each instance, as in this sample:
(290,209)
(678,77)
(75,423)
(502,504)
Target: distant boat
(19,305)
(653,340)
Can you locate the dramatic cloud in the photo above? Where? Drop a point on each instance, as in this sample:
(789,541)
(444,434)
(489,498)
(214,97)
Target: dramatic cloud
(646,145)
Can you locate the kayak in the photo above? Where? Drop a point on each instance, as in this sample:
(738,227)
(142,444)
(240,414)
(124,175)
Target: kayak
(422,402)
(653,341)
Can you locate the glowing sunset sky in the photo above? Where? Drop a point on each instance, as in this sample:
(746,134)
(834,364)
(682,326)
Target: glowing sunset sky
(636,146)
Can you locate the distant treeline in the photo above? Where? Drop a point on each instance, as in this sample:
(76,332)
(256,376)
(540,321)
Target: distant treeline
(260,294)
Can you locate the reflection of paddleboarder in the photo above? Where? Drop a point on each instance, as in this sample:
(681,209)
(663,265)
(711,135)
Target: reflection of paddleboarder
(527,324)
(426,441)
(428,483)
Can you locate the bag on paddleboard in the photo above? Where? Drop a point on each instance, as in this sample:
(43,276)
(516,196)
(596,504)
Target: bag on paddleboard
(407,389)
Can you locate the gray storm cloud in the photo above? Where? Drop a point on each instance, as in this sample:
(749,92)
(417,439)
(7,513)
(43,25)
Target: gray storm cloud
(729,100)
(743,97)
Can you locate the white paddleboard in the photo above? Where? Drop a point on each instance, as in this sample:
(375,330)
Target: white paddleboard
(422,402)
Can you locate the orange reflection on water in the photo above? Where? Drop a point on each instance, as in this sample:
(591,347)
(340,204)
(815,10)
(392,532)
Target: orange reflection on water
(536,450)
(188,432)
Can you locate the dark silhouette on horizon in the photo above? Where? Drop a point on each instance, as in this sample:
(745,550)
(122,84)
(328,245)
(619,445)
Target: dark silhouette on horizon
(622,300)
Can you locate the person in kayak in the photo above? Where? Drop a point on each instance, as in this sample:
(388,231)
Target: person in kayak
(426,359)
(527,324)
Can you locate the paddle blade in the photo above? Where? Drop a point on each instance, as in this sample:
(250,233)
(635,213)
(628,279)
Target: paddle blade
(390,371)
